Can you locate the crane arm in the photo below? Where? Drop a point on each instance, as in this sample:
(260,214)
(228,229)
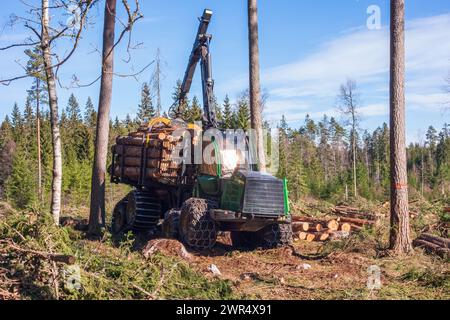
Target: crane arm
(200,52)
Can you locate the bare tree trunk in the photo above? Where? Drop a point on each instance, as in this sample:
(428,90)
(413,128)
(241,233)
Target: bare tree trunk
(422,177)
(97,210)
(400,238)
(54,121)
(355,187)
(38,140)
(255,86)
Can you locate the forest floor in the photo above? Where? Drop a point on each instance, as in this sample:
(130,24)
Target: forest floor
(111,270)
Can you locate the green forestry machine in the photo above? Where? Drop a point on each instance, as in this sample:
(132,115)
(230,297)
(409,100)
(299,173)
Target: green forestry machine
(195,202)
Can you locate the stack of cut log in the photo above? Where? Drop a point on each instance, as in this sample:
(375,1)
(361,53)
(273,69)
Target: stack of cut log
(356,218)
(434,244)
(313,229)
(147,154)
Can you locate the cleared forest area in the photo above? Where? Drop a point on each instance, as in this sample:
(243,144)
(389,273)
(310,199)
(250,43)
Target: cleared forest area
(96,204)
(150,267)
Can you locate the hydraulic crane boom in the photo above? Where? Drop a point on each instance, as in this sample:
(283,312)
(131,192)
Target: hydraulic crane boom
(200,52)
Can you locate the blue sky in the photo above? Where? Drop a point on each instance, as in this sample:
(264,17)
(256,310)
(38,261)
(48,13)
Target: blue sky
(308,48)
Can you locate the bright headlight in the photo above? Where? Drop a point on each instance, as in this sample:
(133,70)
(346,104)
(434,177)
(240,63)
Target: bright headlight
(230,159)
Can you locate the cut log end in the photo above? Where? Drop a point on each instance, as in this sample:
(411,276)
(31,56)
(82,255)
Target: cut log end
(346,227)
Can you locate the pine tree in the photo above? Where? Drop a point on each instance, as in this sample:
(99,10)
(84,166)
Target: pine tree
(283,147)
(228,115)
(73,111)
(28,113)
(20,185)
(128,123)
(195,111)
(90,114)
(180,108)
(146,110)
(17,123)
(242,114)
(310,128)
(34,67)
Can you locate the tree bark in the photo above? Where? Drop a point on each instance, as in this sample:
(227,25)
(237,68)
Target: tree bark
(54,121)
(38,140)
(255,86)
(355,186)
(97,208)
(400,238)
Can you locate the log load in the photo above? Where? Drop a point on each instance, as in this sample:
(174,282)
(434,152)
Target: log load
(147,153)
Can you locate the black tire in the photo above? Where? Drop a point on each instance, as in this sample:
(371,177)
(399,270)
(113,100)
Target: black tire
(197,229)
(244,240)
(143,211)
(119,217)
(275,236)
(171,224)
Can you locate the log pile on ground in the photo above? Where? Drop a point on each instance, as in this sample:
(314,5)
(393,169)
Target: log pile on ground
(346,221)
(147,154)
(350,212)
(313,229)
(433,244)
(355,218)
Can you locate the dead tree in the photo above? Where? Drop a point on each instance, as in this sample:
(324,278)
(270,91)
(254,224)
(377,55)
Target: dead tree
(156,81)
(348,107)
(97,205)
(255,86)
(400,238)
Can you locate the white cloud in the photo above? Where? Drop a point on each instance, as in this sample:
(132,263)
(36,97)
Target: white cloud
(362,55)
(373,110)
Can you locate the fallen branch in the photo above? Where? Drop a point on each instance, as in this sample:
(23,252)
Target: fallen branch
(62,258)
(442,242)
(432,248)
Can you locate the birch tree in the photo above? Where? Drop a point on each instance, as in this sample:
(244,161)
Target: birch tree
(43,34)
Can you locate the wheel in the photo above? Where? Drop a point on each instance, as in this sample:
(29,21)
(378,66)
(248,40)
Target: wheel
(143,211)
(171,224)
(275,236)
(119,217)
(245,240)
(197,229)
